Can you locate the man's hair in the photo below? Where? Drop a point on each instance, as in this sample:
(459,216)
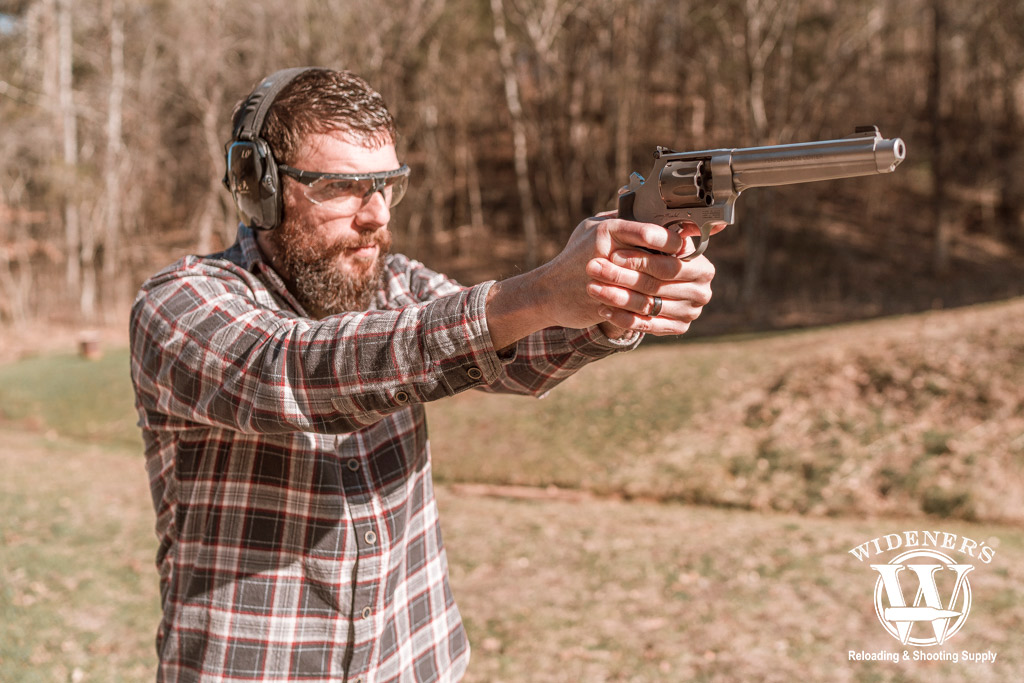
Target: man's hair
(325,101)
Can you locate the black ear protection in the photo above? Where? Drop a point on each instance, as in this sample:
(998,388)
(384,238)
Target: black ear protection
(251,174)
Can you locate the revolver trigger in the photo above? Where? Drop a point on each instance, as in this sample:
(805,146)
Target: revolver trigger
(705,237)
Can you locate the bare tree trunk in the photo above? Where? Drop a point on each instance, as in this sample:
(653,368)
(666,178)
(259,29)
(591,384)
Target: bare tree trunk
(114,157)
(16,282)
(211,214)
(940,255)
(521,153)
(577,142)
(765,23)
(66,109)
(625,37)
(199,59)
(436,174)
(436,162)
(474,195)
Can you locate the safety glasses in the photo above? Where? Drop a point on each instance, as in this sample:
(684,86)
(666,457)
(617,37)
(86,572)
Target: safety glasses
(349,192)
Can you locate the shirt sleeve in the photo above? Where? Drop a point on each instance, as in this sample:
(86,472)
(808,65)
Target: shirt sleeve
(207,352)
(536,364)
(541,361)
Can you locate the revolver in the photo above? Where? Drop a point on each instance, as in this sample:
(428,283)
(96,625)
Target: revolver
(702,187)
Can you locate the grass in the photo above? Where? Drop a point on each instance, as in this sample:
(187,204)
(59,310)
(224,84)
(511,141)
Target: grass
(71,396)
(77,584)
(579,434)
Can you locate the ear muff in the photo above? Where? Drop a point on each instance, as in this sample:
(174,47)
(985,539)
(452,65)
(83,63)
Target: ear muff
(251,174)
(253,182)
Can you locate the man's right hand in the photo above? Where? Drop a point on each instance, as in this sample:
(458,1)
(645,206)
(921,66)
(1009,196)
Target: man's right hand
(606,274)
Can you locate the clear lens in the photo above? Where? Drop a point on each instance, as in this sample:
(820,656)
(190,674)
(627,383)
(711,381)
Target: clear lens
(397,188)
(339,193)
(355,193)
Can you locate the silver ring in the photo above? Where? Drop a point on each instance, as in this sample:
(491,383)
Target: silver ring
(655,307)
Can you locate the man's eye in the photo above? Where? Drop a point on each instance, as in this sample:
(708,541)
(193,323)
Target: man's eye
(337,188)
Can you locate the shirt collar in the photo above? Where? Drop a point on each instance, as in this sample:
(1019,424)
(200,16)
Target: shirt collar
(252,260)
(251,255)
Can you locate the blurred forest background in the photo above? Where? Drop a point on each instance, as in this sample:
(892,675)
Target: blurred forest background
(519,118)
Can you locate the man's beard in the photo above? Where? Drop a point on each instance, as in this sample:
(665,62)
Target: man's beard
(312,271)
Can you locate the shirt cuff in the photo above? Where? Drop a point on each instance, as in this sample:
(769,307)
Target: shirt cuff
(458,337)
(595,339)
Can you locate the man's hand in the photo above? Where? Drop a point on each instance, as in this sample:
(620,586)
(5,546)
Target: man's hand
(653,293)
(604,275)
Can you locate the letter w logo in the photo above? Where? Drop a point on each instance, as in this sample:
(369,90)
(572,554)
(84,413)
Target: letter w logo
(899,617)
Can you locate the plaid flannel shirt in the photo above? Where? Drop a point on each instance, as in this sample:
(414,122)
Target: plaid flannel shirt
(290,470)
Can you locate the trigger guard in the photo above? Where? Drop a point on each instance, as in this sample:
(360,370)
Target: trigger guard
(705,238)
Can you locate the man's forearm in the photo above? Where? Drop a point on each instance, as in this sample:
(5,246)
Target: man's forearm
(516,309)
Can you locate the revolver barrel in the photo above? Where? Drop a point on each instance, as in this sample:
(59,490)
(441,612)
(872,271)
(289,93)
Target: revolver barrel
(810,161)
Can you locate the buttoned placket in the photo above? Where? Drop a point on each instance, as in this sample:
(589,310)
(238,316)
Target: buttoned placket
(368,570)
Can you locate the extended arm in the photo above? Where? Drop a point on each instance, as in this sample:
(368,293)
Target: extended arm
(211,347)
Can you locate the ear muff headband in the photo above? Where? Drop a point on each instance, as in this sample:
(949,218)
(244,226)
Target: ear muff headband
(251,174)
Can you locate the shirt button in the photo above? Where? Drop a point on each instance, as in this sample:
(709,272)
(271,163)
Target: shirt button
(353,464)
(401,397)
(475,373)
(367,612)
(370,537)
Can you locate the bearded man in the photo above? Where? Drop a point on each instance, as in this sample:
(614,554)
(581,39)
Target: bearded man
(280,388)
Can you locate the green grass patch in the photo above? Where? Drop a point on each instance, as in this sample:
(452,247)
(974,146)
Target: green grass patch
(72,396)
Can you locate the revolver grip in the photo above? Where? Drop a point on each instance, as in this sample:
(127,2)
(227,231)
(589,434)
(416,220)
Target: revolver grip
(626,202)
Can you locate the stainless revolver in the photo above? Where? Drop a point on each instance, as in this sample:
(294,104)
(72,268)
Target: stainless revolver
(702,187)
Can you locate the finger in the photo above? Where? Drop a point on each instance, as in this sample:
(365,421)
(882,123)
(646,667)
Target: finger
(605,273)
(656,326)
(691,229)
(687,307)
(645,235)
(661,267)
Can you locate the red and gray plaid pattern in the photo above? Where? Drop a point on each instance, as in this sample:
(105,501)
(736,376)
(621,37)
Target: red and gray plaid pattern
(290,469)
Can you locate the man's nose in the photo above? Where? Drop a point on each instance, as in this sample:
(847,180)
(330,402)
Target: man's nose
(375,212)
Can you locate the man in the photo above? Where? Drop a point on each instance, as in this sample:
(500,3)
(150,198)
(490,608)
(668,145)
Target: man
(280,387)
